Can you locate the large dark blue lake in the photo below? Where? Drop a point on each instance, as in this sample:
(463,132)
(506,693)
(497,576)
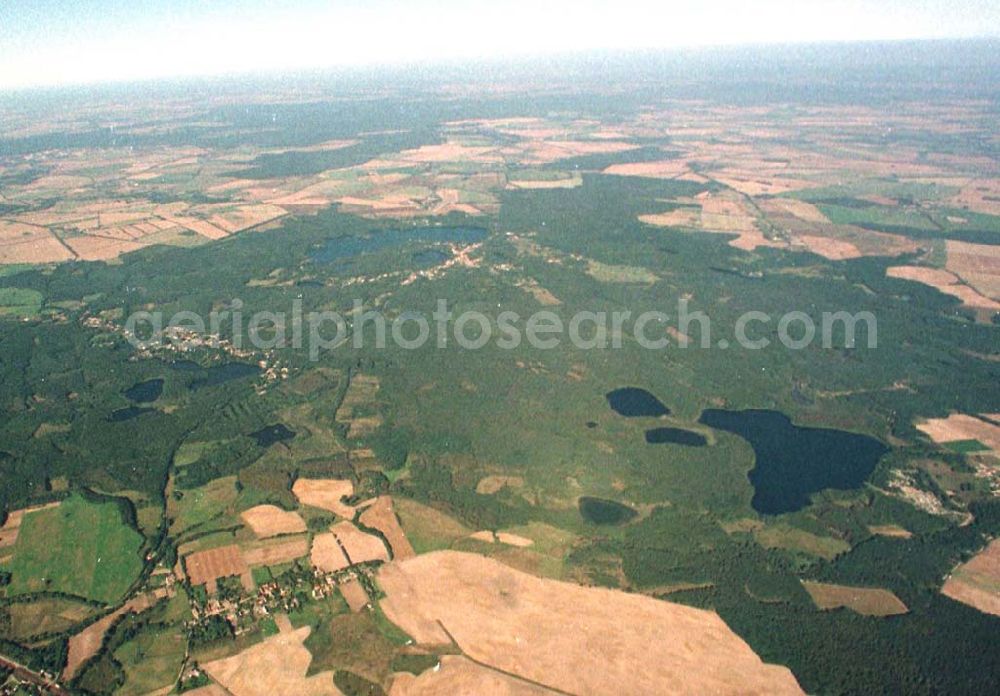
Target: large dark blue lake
(794,462)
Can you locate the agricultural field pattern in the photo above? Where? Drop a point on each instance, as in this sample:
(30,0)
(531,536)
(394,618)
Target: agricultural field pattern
(183,509)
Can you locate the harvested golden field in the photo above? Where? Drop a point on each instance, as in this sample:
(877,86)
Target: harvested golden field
(976,264)
(39,247)
(935,277)
(571,638)
(359,546)
(752,185)
(943,281)
(959,427)
(202,227)
(85,644)
(209,690)
(246,217)
(784,536)
(326,553)
(502,538)
(890,530)
(484,535)
(977,583)
(569,182)
(664,169)
(546,151)
(514,539)
(363,427)
(829,247)
(277,665)
(361,392)
(428,529)
(354,594)
(728,214)
(800,209)
(11,528)
(867,601)
(94,248)
(450,152)
(45,615)
(610,273)
(381,515)
(980,195)
(384,206)
(275,551)
(460,675)
(542,295)
(326,494)
(681,217)
(205,567)
(489,485)
(270,520)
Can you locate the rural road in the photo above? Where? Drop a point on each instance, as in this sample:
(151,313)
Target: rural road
(25,674)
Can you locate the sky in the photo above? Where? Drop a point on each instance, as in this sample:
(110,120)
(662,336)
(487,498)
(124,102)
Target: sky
(51,42)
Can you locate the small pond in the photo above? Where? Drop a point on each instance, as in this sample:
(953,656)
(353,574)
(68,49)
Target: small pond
(605,512)
(272,434)
(634,402)
(145,392)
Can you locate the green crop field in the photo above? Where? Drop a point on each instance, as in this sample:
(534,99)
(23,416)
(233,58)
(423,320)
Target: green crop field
(19,302)
(79,548)
(966,446)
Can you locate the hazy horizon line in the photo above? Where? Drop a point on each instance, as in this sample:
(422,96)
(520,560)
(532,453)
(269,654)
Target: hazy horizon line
(493,61)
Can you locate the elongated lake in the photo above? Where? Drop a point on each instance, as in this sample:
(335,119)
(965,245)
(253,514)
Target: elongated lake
(339,249)
(675,436)
(216,374)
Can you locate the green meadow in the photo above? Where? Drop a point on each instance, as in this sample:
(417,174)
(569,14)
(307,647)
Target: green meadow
(79,548)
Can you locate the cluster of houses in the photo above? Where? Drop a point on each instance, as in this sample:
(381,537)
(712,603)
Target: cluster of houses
(282,595)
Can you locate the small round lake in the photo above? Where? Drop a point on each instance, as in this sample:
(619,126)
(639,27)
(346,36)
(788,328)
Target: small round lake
(633,402)
(605,512)
(272,434)
(675,436)
(145,392)
(793,462)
